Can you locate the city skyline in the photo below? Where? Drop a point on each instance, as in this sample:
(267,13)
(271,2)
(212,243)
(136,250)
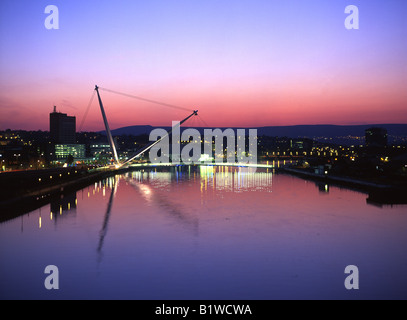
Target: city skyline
(242,64)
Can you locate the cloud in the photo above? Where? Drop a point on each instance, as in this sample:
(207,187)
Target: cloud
(68,104)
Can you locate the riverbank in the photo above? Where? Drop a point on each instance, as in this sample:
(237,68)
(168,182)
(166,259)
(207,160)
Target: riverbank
(28,190)
(379,193)
(336,179)
(25,191)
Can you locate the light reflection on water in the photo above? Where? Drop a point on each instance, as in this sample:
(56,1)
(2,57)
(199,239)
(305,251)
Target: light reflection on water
(206,233)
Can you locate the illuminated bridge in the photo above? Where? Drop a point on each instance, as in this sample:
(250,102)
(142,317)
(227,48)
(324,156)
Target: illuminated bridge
(23,188)
(129,163)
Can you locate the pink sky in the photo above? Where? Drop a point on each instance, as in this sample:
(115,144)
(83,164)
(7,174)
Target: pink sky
(253,63)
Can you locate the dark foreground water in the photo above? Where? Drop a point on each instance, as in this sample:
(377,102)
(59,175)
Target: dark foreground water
(206,233)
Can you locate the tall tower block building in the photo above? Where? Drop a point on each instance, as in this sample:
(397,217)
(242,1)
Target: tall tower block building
(62,128)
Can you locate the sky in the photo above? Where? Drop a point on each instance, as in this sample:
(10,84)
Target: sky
(241,63)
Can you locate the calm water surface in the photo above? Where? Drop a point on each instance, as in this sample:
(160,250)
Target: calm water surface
(206,233)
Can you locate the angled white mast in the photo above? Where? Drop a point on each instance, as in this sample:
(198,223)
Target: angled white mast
(109,134)
(148,147)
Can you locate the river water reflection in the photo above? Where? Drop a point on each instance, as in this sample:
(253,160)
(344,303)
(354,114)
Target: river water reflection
(206,233)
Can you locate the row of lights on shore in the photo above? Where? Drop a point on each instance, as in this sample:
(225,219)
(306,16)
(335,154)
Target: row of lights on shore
(60,175)
(97,188)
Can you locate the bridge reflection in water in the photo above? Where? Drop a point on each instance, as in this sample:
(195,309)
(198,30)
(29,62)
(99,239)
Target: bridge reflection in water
(153,183)
(151,180)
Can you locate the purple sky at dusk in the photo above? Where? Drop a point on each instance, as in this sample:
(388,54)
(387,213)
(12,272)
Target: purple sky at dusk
(241,63)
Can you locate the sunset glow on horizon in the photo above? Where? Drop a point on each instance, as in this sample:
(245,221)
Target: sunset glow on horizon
(240,63)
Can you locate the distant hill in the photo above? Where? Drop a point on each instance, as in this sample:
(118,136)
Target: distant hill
(310,131)
(132,130)
(337,133)
(313,131)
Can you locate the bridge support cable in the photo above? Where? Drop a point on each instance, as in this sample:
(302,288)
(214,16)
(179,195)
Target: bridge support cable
(87,111)
(148,147)
(108,132)
(145,100)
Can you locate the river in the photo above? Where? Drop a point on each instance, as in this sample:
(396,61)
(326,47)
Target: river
(207,233)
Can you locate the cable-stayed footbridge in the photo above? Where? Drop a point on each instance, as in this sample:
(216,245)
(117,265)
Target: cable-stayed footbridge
(117,163)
